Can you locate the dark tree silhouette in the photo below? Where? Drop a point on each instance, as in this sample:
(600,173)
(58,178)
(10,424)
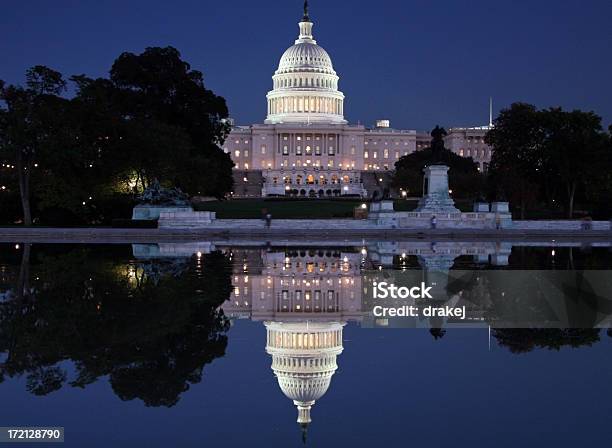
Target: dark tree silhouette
(523,340)
(151,335)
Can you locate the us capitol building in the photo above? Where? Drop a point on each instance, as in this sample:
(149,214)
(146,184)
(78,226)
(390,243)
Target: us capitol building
(306,148)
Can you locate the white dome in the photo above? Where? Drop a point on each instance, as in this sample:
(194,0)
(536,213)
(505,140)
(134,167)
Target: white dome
(305,387)
(305,57)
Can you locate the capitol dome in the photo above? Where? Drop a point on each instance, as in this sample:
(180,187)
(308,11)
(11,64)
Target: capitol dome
(305,57)
(305,85)
(304,360)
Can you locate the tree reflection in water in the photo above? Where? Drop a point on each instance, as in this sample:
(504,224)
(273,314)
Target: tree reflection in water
(151,327)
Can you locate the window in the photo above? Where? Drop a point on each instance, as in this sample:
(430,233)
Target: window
(331,151)
(317,150)
(375,155)
(366,155)
(352,150)
(263,149)
(386,153)
(246,152)
(298,150)
(285,150)
(237,153)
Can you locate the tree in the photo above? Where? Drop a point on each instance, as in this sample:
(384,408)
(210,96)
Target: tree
(517,162)
(464,178)
(547,153)
(574,148)
(158,86)
(30,127)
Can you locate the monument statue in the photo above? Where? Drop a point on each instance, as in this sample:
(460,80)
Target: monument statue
(155,194)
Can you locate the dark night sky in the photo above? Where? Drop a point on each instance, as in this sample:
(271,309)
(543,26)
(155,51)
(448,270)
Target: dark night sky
(415,62)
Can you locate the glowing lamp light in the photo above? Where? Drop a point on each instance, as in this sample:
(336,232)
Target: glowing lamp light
(364,206)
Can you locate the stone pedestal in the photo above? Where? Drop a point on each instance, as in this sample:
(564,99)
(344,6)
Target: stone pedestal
(152,212)
(382,213)
(435,191)
(500,207)
(481,207)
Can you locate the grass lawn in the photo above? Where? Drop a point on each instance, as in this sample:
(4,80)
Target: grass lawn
(281,209)
(296,209)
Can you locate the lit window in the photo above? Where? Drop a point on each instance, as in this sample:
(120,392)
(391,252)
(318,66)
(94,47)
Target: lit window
(386,153)
(263,149)
(366,155)
(237,153)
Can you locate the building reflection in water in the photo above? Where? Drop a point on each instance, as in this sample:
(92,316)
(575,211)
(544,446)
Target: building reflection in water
(305,296)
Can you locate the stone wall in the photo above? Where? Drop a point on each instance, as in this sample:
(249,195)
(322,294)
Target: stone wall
(562,225)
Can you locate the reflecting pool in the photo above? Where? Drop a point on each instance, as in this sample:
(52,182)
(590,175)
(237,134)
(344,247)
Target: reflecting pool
(235,343)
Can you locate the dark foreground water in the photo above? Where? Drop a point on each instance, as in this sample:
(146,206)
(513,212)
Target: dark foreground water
(172,345)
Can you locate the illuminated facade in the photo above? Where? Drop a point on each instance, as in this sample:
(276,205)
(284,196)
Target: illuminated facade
(306,148)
